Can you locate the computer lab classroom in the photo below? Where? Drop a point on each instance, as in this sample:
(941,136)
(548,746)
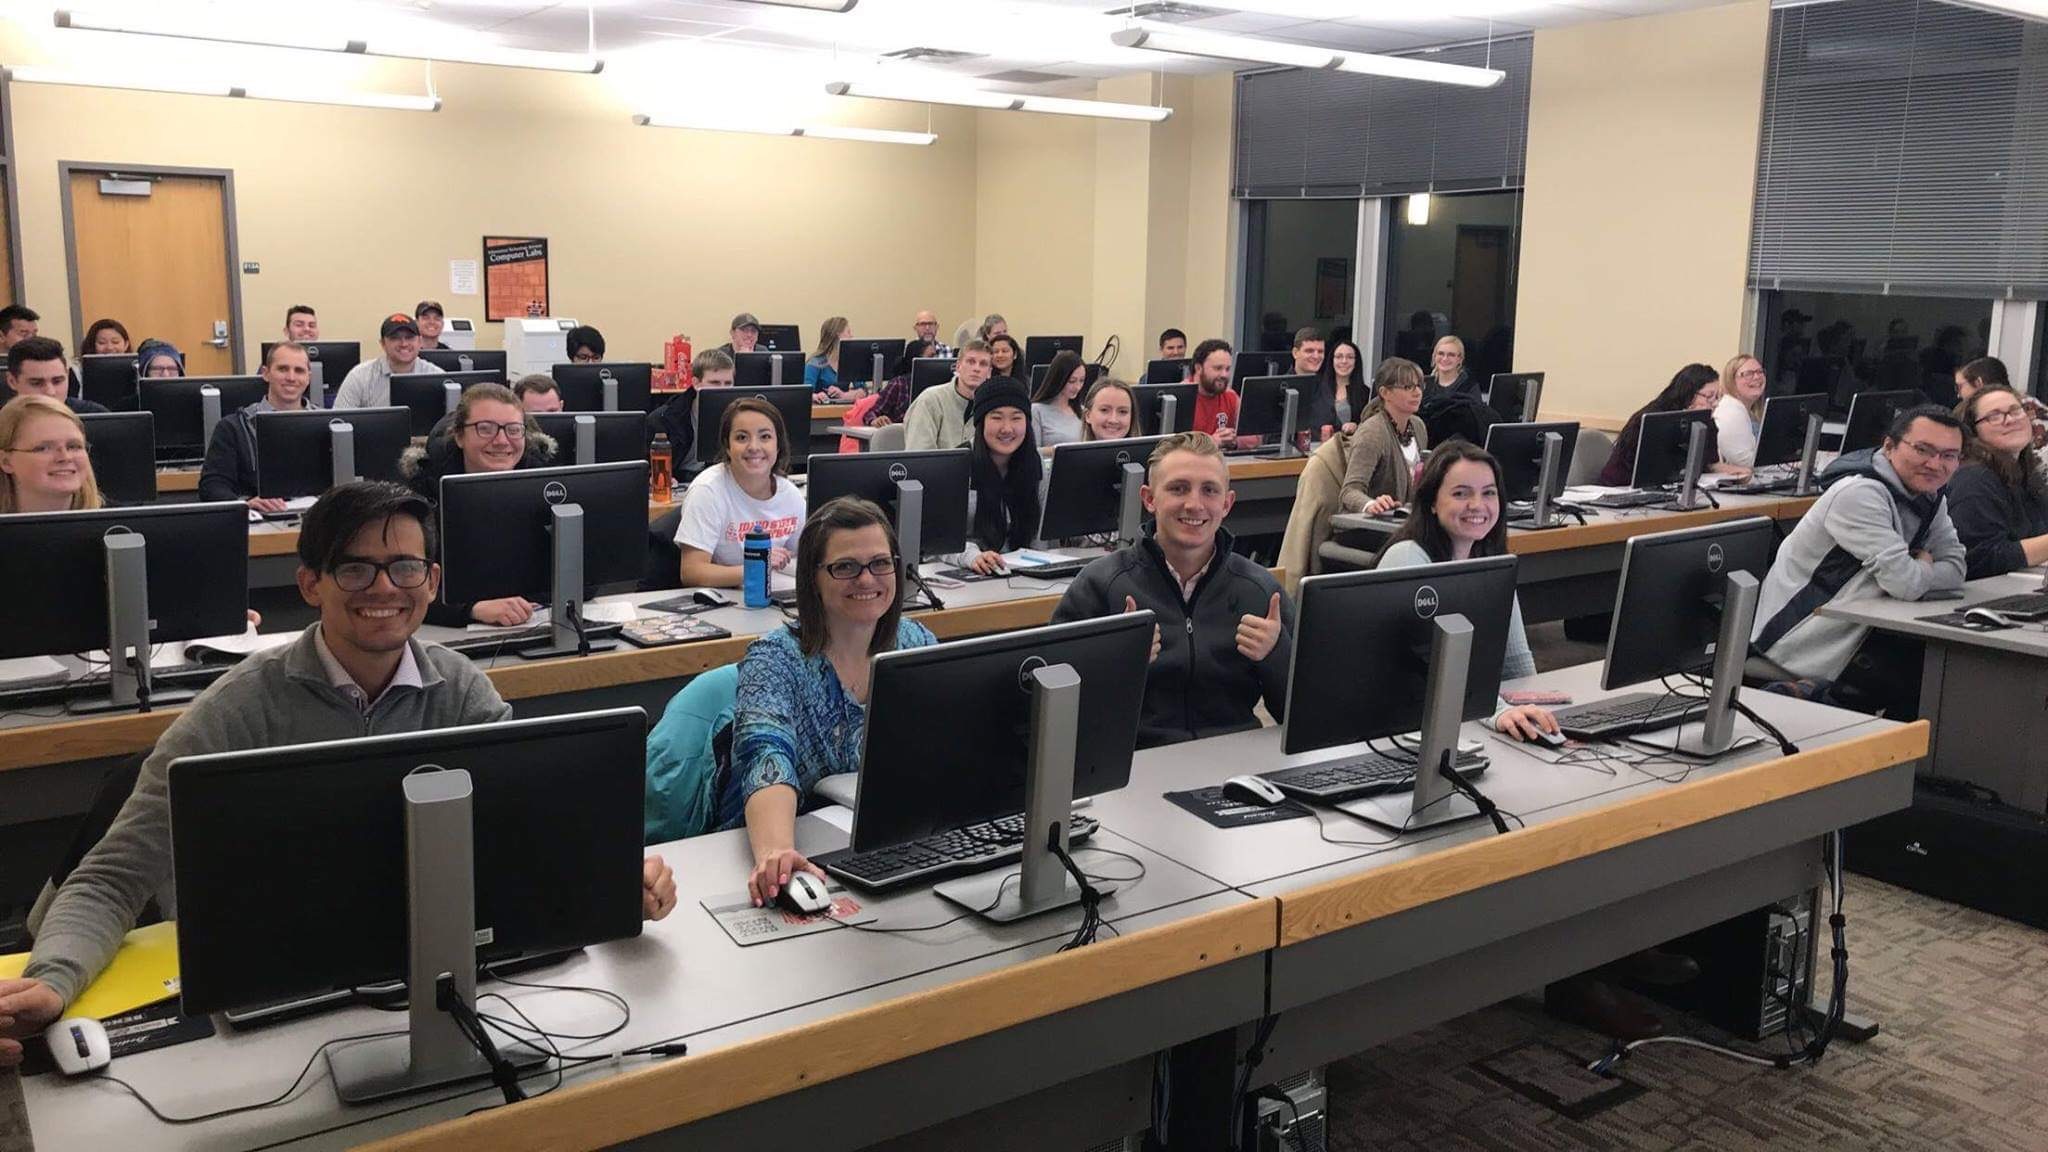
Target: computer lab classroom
(1062,575)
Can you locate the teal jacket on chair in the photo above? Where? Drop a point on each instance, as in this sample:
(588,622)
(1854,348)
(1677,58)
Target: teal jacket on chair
(682,763)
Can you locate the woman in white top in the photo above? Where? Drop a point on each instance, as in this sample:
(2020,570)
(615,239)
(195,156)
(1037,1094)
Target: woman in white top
(1739,412)
(744,491)
(1056,406)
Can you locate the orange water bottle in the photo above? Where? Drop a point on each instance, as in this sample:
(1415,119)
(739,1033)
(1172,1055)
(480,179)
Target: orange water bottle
(658,474)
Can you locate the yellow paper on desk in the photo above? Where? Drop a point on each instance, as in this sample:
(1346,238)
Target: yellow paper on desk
(144,971)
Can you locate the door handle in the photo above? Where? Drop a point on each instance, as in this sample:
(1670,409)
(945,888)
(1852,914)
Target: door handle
(219,343)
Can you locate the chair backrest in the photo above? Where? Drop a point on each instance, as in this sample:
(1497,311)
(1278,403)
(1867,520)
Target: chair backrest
(889,438)
(1589,455)
(664,569)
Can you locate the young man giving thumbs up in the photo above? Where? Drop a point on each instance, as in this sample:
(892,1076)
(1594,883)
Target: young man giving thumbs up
(1224,624)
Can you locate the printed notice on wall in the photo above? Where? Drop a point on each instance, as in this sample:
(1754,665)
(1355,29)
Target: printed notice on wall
(462,277)
(515,277)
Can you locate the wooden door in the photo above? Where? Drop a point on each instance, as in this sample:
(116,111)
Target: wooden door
(157,263)
(1479,280)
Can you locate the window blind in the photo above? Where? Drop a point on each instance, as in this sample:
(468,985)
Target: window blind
(1904,150)
(1307,133)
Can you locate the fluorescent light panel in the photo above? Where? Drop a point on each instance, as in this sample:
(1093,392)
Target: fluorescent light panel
(1214,46)
(810,5)
(999,101)
(284,92)
(775,128)
(276,37)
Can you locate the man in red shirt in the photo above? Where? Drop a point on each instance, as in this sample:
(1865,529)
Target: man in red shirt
(1215,403)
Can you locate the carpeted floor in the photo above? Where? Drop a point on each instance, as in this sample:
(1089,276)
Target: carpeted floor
(1961,1062)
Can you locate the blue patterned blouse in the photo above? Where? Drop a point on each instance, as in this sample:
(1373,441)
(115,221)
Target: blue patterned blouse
(793,722)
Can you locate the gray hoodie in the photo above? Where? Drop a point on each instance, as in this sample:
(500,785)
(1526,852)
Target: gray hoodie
(1856,542)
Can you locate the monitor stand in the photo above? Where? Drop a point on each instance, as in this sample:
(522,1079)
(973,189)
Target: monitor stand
(1048,803)
(1544,515)
(570,638)
(341,451)
(1807,455)
(1532,398)
(1695,462)
(316,387)
(1130,518)
(440,942)
(586,438)
(1714,734)
(1290,419)
(909,536)
(1169,414)
(128,687)
(451,396)
(1433,800)
(610,385)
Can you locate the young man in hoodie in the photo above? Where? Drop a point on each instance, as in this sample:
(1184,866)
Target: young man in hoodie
(1881,530)
(1224,623)
(230,470)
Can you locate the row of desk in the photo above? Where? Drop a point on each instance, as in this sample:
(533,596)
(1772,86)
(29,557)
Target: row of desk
(975,1035)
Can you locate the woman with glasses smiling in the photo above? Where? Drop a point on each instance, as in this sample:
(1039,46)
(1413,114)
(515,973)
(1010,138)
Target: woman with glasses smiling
(1999,499)
(800,712)
(43,462)
(488,432)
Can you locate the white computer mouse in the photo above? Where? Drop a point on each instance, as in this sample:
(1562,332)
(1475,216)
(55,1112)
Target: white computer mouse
(804,894)
(1252,790)
(78,1045)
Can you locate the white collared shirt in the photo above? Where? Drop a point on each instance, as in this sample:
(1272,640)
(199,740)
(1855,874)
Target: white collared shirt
(408,674)
(1187,583)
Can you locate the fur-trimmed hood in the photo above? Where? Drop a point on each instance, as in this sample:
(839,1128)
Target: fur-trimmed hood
(423,466)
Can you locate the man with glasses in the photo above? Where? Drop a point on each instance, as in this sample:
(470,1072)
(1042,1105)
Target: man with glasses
(230,469)
(1881,530)
(366,562)
(926,326)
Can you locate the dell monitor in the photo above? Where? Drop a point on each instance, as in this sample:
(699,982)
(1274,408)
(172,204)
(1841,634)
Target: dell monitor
(432,395)
(1532,472)
(491,360)
(1671,450)
(867,361)
(792,401)
(1041,349)
(1514,396)
(1790,434)
(108,379)
(129,578)
(621,386)
(930,371)
(1092,489)
(1168,371)
(780,338)
(187,407)
(972,731)
(1871,415)
(767,369)
(421,856)
(1037,380)
(548,534)
(613,437)
(935,482)
(1246,365)
(307,452)
(328,361)
(1270,407)
(123,449)
(1163,409)
(1687,602)
(1381,653)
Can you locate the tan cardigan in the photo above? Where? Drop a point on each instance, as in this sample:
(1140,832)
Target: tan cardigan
(1376,466)
(1315,501)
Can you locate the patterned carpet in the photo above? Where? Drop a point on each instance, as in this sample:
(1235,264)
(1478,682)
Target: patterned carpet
(1961,1062)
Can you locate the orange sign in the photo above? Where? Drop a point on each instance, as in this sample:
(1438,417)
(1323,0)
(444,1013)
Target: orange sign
(515,277)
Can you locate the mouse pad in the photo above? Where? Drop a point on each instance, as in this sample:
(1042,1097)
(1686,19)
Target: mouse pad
(1210,805)
(131,1033)
(1956,620)
(748,925)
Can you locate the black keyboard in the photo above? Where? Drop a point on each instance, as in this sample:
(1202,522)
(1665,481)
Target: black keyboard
(498,643)
(1366,776)
(1062,570)
(94,687)
(1254,450)
(2027,606)
(1628,714)
(1763,487)
(390,993)
(1629,499)
(969,849)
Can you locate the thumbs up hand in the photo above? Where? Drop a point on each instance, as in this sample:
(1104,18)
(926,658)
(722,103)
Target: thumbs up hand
(1131,605)
(1256,635)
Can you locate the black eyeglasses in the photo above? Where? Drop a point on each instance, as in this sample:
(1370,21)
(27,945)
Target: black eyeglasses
(850,569)
(489,429)
(356,575)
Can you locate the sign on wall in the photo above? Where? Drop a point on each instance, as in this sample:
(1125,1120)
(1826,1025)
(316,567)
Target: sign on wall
(515,277)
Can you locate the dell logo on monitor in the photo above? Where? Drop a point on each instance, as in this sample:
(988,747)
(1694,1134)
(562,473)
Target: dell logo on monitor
(1425,602)
(1715,558)
(604,373)
(1123,456)
(1031,664)
(899,472)
(313,351)
(555,492)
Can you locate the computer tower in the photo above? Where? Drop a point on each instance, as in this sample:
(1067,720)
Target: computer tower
(1306,1125)
(1754,969)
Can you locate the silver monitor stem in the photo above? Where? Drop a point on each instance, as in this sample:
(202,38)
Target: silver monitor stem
(451,395)
(1290,416)
(341,452)
(565,531)
(775,371)
(465,363)
(1048,803)
(1695,460)
(1532,395)
(209,409)
(1541,516)
(127,619)
(1433,800)
(316,392)
(611,392)
(1169,414)
(909,533)
(1130,518)
(1715,733)
(1807,455)
(881,367)
(586,438)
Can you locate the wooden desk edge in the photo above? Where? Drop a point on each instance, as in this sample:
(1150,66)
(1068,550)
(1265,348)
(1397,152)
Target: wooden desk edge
(688,1089)
(1344,903)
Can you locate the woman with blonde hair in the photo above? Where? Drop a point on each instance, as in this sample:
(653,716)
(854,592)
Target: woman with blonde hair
(821,371)
(1739,414)
(1447,369)
(44,465)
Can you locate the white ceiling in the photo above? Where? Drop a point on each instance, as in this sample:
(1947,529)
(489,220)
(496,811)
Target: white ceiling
(1068,39)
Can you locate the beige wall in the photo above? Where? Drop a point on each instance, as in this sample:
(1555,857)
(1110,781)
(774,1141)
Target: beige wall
(1034,222)
(1643,138)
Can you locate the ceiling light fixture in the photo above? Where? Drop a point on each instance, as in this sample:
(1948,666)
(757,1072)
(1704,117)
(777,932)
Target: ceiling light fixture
(775,128)
(1000,101)
(808,5)
(381,100)
(270,37)
(1215,46)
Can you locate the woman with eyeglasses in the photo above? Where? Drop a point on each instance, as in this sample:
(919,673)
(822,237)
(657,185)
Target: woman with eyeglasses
(745,490)
(488,432)
(43,462)
(1695,387)
(1739,413)
(800,711)
(1387,449)
(1999,499)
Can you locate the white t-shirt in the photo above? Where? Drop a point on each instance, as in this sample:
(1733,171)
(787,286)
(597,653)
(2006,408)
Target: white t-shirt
(718,514)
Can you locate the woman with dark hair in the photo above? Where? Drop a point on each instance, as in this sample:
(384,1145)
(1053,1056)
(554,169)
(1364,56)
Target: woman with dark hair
(1998,499)
(799,712)
(1056,406)
(1696,387)
(1006,474)
(1456,516)
(104,338)
(1379,471)
(745,490)
(1007,356)
(1344,380)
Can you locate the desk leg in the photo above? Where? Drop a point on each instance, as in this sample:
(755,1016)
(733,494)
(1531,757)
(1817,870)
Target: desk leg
(1856,1028)
(1201,1075)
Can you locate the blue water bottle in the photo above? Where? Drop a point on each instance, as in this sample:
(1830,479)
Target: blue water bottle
(754,566)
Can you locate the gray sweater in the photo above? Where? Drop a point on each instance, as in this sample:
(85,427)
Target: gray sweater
(269,700)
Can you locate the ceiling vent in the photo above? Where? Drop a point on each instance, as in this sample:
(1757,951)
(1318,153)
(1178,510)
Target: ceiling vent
(932,55)
(1168,11)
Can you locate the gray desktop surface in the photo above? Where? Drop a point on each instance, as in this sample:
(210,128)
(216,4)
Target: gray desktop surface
(685,979)
(1904,616)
